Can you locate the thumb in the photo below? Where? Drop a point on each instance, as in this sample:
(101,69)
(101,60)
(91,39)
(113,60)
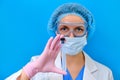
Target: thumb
(57,70)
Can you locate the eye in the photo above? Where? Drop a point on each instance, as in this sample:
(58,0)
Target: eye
(64,29)
(79,29)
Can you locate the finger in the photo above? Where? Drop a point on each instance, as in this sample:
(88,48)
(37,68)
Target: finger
(53,44)
(57,45)
(61,36)
(49,42)
(57,49)
(57,70)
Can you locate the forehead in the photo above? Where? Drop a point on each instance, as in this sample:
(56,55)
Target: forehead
(72,18)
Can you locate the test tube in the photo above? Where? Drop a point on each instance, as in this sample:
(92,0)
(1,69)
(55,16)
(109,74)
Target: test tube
(63,60)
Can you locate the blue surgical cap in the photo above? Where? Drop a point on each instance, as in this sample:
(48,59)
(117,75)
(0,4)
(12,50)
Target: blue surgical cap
(71,8)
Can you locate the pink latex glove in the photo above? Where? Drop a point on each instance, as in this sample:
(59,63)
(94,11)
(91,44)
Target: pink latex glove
(46,61)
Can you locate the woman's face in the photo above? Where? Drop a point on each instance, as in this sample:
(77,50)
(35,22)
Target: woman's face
(72,26)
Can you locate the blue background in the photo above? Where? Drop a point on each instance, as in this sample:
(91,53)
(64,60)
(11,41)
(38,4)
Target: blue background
(23,32)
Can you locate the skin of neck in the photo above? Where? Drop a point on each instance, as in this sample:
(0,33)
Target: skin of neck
(78,59)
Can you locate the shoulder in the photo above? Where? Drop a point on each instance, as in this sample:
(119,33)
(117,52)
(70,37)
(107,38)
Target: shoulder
(103,68)
(99,70)
(104,71)
(93,63)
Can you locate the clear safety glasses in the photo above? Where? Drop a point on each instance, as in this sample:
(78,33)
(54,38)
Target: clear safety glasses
(65,28)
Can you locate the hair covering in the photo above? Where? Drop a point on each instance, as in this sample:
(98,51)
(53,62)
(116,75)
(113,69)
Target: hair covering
(75,9)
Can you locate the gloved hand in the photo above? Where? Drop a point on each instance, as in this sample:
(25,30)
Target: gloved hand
(46,61)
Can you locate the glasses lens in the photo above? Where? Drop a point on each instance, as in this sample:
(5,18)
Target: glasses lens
(79,31)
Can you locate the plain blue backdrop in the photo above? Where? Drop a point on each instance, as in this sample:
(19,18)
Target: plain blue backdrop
(23,32)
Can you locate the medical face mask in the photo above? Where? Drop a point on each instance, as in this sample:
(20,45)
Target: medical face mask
(72,46)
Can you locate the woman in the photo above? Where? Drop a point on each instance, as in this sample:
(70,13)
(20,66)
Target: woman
(73,24)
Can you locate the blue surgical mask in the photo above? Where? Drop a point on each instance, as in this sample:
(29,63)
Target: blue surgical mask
(73,46)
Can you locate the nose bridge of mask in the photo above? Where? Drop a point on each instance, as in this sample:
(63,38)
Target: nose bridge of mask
(75,39)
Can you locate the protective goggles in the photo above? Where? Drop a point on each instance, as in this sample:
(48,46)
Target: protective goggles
(78,29)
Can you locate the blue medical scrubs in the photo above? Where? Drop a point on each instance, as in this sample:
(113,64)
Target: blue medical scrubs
(79,77)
